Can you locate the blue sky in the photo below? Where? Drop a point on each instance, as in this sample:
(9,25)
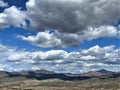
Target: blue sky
(59,38)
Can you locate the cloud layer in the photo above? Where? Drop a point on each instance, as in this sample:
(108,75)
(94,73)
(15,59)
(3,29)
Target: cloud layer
(56,39)
(93,58)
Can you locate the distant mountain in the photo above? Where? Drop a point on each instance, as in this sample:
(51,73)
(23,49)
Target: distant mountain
(103,71)
(26,73)
(98,73)
(44,74)
(93,74)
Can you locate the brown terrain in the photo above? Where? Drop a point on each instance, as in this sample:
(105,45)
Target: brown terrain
(45,80)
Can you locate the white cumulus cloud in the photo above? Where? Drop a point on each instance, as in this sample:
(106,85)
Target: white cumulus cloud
(13,59)
(3,4)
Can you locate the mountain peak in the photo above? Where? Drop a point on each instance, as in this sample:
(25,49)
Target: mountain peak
(104,71)
(93,74)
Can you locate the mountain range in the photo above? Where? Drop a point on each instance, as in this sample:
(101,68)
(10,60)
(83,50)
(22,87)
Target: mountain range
(44,74)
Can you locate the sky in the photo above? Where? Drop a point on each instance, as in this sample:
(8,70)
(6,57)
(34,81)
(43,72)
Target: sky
(64,36)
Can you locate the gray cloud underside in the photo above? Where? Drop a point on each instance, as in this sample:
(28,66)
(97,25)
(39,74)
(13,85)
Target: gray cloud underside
(62,15)
(72,15)
(59,60)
